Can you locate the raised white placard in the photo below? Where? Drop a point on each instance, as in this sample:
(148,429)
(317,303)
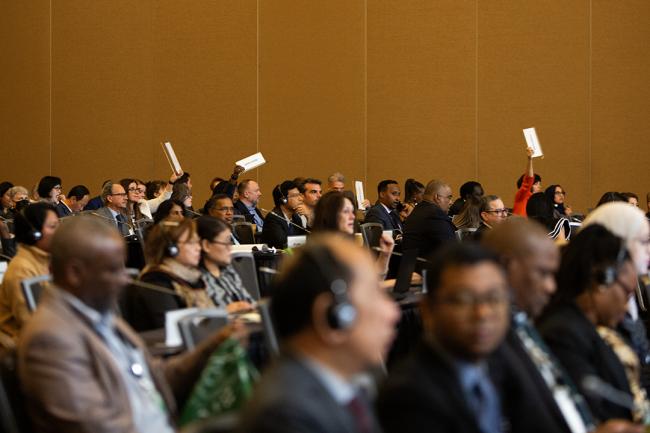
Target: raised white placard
(533,142)
(358,187)
(171,158)
(251,162)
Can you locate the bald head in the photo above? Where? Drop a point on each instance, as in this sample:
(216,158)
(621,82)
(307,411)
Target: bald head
(88,261)
(439,193)
(531,260)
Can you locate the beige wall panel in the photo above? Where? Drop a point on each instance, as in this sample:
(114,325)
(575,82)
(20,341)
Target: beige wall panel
(311,90)
(620,95)
(24,91)
(204,86)
(101,66)
(421,91)
(533,71)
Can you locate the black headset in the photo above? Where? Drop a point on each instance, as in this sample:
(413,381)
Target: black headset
(607,275)
(341,314)
(171,249)
(283,199)
(33,235)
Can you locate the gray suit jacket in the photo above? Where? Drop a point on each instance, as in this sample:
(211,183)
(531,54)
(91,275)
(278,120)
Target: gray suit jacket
(290,399)
(105,212)
(71,382)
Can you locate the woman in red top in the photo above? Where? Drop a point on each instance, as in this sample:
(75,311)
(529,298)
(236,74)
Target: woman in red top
(528,184)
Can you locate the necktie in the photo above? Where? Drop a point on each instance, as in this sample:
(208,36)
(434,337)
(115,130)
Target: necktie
(361,415)
(120,221)
(486,406)
(397,224)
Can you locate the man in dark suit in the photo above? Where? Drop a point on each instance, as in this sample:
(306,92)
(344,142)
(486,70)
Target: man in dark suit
(383,212)
(334,322)
(453,381)
(283,221)
(249,195)
(74,202)
(531,260)
(115,199)
(428,227)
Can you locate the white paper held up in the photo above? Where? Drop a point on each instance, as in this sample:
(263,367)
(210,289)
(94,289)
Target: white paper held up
(358,187)
(251,162)
(533,142)
(171,158)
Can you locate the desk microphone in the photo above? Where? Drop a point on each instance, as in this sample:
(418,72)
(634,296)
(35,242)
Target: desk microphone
(267,270)
(286,220)
(113,220)
(597,387)
(3,256)
(153,287)
(395,253)
(194,212)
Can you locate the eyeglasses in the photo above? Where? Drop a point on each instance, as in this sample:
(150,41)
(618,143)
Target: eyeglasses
(466,300)
(140,190)
(560,192)
(122,194)
(498,211)
(228,244)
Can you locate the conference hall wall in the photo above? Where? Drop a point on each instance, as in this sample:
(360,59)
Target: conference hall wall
(372,88)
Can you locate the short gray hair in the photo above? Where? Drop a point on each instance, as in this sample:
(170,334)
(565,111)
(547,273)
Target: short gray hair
(336,177)
(17,190)
(107,190)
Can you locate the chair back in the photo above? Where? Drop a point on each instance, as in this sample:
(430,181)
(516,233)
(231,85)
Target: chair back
(371,233)
(466,233)
(13,416)
(33,289)
(269,329)
(244,264)
(195,328)
(244,232)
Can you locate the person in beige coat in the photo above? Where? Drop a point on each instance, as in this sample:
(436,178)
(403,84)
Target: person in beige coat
(34,228)
(81,368)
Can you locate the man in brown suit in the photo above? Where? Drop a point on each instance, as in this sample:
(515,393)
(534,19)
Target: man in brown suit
(81,368)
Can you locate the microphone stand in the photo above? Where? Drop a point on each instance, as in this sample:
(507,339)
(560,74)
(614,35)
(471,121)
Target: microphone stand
(287,220)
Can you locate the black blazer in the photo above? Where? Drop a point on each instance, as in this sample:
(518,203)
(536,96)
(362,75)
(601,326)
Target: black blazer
(62,210)
(291,399)
(378,214)
(241,209)
(424,394)
(276,229)
(577,345)
(427,228)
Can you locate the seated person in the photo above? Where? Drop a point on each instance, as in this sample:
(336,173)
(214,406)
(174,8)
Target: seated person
(169,210)
(493,212)
(249,195)
(6,203)
(595,281)
(49,189)
(528,184)
(539,208)
(335,213)
(222,283)
(557,195)
(311,192)
(333,322)
(283,221)
(34,227)
(227,187)
(471,190)
(429,227)
(469,217)
(413,192)
(383,212)
(455,380)
(74,202)
(82,369)
(172,252)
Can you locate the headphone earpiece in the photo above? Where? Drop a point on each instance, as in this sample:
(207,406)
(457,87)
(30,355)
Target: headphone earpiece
(171,250)
(33,235)
(607,275)
(341,314)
